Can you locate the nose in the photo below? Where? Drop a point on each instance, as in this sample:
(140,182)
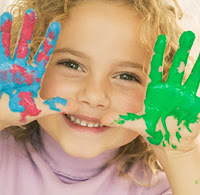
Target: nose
(94,93)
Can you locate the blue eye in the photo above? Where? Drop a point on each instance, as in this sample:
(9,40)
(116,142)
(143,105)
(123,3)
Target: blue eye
(129,77)
(71,64)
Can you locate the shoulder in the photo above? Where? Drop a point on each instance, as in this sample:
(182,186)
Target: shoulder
(6,141)
(148,183)
(9,148)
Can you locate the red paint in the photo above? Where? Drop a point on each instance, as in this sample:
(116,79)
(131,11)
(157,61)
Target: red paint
(26,35)
(29,105)
(44,54)
(4,74)
(47,46)
(26,77)
(6,28)
(37,80)
(51,35)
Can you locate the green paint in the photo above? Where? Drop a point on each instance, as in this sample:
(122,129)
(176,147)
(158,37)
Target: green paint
(174,146)
(120,121)
(164,145)
(196,181)
(170,98)
(179,128)
(178,136)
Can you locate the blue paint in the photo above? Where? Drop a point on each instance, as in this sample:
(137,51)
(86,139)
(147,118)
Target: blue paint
(13,79)
(52,101)
(28,11)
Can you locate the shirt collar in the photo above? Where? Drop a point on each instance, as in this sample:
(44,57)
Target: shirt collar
(69,167)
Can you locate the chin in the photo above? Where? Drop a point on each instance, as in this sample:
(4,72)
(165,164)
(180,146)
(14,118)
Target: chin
(81,150)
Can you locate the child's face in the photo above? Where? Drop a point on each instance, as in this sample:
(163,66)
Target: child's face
(102,41)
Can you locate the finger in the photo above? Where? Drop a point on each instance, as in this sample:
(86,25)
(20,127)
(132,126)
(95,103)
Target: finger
(38,110)
(36,107)
(53,101)
(192,83)
(23,49)
(135,123)
(46,48)
(116,120)
(56,105)
(177,69)
(5,35)
(157,60)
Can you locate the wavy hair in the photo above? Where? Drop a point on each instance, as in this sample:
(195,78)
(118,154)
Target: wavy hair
(160,15)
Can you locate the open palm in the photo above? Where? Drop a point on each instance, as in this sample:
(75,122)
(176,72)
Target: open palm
(170,98)
(18,79)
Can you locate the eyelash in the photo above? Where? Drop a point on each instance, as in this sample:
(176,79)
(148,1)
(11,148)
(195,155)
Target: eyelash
(67,62)
(130,77)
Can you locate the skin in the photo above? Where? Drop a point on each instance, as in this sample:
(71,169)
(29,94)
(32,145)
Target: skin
(168,124)
(20,81)
(158,107)
(107,39)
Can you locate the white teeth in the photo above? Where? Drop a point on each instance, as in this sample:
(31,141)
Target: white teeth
(72,118)
(90,125)
(77,121)
(84,123)
(96,125)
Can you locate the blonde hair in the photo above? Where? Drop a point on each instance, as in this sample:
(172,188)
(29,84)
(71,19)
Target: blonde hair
(157,14)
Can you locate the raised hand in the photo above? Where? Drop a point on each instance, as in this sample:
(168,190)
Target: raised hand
(170,98)
(18,79)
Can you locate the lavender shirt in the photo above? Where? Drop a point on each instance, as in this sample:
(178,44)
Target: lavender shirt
(50,171)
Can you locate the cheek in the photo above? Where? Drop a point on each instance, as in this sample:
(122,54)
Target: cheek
(52,84)
(57,84)
(131,100)
(49,83)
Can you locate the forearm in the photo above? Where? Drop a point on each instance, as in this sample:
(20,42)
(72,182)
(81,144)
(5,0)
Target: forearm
(184,172)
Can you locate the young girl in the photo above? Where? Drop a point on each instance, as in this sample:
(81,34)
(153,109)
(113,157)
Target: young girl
(66,141)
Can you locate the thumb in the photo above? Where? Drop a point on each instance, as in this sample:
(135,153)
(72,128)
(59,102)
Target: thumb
(129,121)
(56,105)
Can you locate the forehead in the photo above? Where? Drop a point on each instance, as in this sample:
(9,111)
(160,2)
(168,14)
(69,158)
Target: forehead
(105,17)
(103,26)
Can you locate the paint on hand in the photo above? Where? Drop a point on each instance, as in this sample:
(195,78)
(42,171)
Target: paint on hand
(5,28)
(18,79)
(53,101)
(170,98)
(196,181)
(27,102)
(26,34)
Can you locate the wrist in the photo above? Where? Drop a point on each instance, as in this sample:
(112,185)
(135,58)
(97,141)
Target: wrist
(183,171)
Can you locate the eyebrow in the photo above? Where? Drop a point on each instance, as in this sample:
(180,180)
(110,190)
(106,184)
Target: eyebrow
(73,52)
(127,64)
(124,64)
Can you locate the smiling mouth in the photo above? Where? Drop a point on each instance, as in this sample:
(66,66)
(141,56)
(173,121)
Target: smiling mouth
(83,123)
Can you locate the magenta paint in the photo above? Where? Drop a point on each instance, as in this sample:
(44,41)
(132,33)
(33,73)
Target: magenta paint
(20,80)
(30,108)
(26,34)
(6,28)
(26,77)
